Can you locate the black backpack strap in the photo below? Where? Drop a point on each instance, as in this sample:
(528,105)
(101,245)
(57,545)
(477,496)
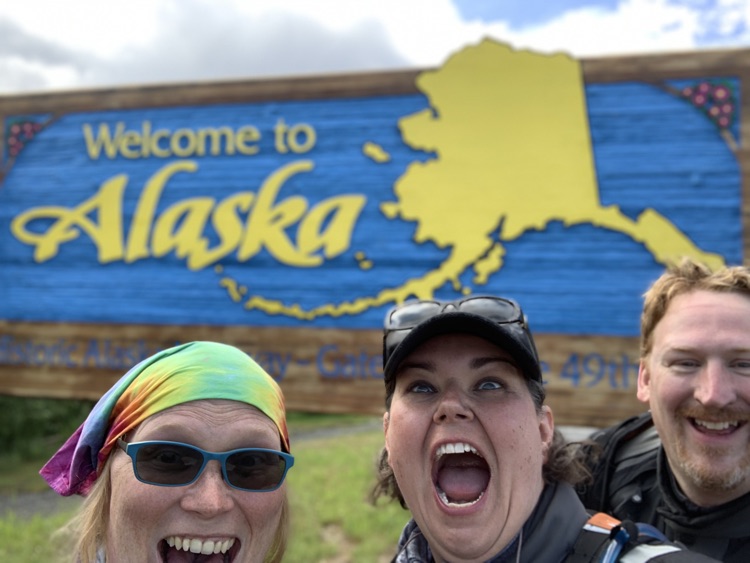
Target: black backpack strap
(593,539)
(645,544)
(607,540)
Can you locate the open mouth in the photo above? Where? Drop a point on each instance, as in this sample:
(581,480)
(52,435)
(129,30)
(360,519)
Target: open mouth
(460,474)
(177,549)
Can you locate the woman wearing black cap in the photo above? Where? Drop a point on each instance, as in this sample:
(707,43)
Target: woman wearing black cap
(471,449)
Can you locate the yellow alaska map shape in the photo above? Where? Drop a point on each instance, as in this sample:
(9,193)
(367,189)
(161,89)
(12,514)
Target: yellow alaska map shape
(513,152)
(511,135)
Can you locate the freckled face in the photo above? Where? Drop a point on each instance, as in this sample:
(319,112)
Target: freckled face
(696,381)
(460,393)
(208,510)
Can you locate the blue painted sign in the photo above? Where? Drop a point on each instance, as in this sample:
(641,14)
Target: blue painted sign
(496,177)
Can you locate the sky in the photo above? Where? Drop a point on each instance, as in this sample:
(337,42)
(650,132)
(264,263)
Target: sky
(53,45)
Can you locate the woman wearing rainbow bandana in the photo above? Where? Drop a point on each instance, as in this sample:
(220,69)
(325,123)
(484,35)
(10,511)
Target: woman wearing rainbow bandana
(183,459)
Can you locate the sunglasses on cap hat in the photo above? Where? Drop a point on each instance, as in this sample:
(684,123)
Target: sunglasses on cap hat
(174,464)
(499,319)
(411,314)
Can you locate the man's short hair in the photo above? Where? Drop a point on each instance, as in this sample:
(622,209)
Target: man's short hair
(685,277)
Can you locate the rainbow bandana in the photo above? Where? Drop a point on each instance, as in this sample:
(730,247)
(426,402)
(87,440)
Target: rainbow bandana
(189,372)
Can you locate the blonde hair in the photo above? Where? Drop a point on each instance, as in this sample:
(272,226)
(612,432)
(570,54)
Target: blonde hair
(86,531)
(685,277)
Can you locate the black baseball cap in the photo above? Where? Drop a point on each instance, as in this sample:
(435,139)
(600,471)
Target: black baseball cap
(496,319)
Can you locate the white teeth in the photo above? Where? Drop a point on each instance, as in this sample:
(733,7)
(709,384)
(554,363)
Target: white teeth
(194,545)
(208,547)
(455,448)
(716,425)
(444,498)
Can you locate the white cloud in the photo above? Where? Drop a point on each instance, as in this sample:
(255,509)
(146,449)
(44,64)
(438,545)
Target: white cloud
(103,28)
(49,44)
(635,26)
(221,46)
(727,19)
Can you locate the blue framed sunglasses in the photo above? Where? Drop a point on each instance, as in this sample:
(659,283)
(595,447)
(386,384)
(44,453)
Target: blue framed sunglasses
(174,464)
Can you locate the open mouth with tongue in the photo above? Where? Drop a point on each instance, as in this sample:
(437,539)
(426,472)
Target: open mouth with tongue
(178,549)
(460,474)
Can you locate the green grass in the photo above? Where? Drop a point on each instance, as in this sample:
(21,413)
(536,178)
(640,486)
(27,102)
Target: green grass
(328,489)
(28,540)
(301,423)
(329,484)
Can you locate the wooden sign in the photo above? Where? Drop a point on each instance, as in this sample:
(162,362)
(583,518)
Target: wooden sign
(287,216)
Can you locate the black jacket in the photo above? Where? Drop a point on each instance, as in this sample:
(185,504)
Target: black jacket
(633,481)
(550,535)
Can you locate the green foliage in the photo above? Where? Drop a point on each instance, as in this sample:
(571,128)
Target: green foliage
(21,476)
(31,430)
(30,427)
